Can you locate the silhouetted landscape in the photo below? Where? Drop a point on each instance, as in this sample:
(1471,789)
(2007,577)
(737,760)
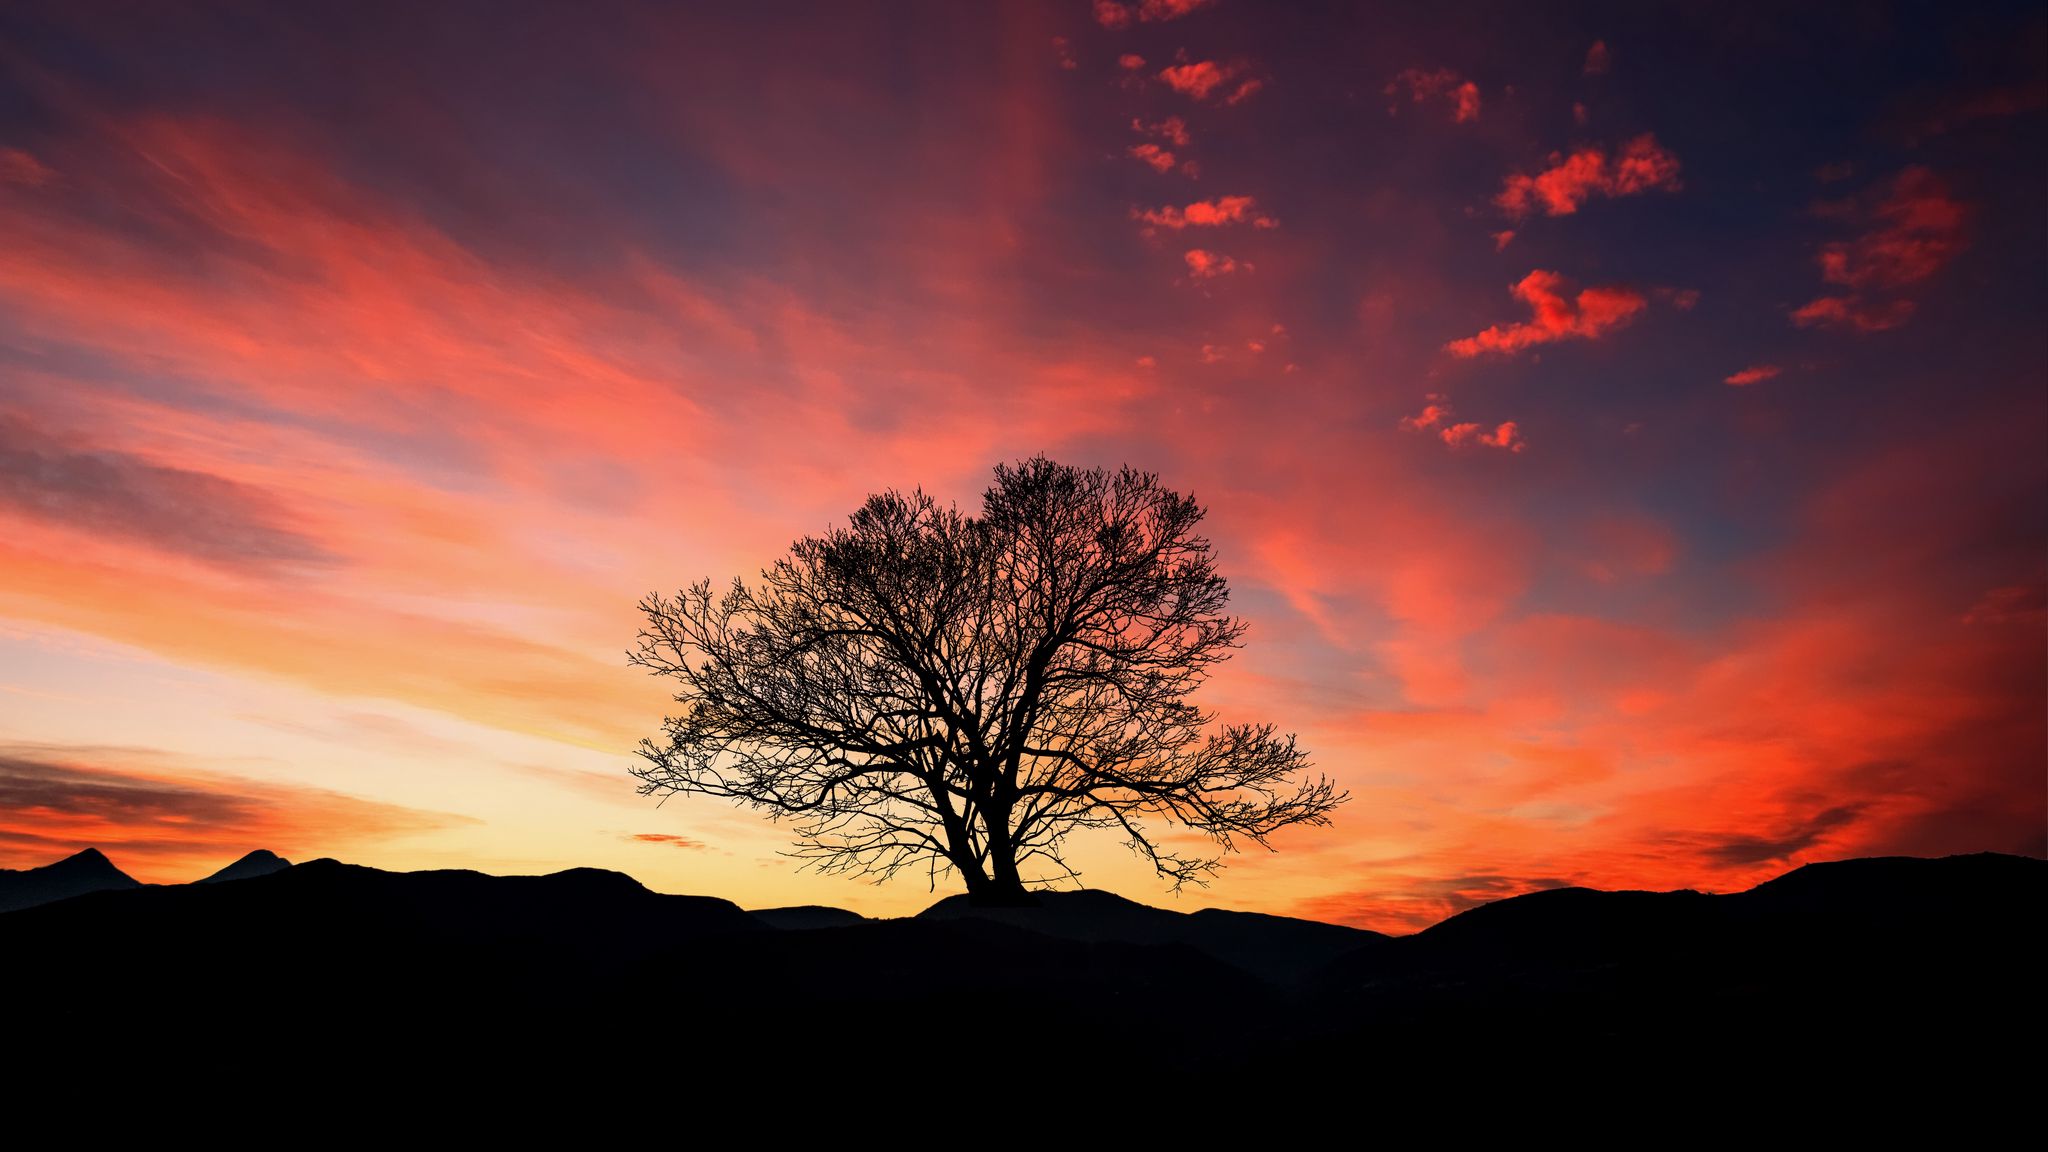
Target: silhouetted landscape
(1536,511)
(1872,963)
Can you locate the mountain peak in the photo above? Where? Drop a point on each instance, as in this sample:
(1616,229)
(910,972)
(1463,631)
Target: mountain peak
(261,862)
(85,871)
(86,862)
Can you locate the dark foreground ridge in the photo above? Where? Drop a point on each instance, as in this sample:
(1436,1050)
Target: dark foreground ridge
(1887,964)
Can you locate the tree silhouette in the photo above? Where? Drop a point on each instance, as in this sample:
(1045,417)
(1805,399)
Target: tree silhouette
(924,687)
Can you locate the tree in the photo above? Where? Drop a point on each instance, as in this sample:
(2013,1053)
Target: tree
(924,687)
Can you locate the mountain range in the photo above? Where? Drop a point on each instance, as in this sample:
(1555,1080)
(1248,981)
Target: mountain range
(1879,960)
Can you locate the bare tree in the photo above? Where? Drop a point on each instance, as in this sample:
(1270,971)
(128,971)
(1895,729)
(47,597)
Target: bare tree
(927,688)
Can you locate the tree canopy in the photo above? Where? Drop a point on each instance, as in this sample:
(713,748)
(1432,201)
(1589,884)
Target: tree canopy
(927,688)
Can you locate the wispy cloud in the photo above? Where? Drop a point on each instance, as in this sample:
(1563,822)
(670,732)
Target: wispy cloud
(1459,95)
(168,823)
(1911,231)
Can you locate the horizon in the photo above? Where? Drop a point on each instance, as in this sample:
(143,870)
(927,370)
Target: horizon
(1630,474)
(1171,903)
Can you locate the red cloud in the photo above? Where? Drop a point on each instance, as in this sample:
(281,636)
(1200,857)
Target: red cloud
(1173,129)
(167,824)
(1589,173)
(1208,214)
(18,167)
(1911,233)
(1430,416)
(667,838)
(1206,265)
(1587,316)
(1110,14)
(1461,94)
(1598,59)
(1756,375)
(1851,312)
(1200,80)
(1159,158)
(1163,10)
(1501,240)
(1130,61)
(1504,436)
(1438,414)
(1683,299)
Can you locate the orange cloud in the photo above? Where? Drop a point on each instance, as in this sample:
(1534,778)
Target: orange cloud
(1208,214)
(1153,156)
(169,825)
(1461,95)
(1598,59)
(109,493)
(1589,173)
(315,381)
(1206,265)
(1204,78)
(1914,229)
(667,839)
(1755,375)
(1592,313)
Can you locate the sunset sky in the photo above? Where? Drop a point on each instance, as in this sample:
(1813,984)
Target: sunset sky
(1625,427)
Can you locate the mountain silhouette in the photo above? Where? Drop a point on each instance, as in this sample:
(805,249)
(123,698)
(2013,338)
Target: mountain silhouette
(87,871)
(805,917)
(261,862)
(1854,960)
(1864,971)
(1274,947)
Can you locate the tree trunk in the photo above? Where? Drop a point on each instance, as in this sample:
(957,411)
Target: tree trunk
(1002,890)
(1002,887)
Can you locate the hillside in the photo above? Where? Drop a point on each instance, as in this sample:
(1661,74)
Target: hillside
(1880,962)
